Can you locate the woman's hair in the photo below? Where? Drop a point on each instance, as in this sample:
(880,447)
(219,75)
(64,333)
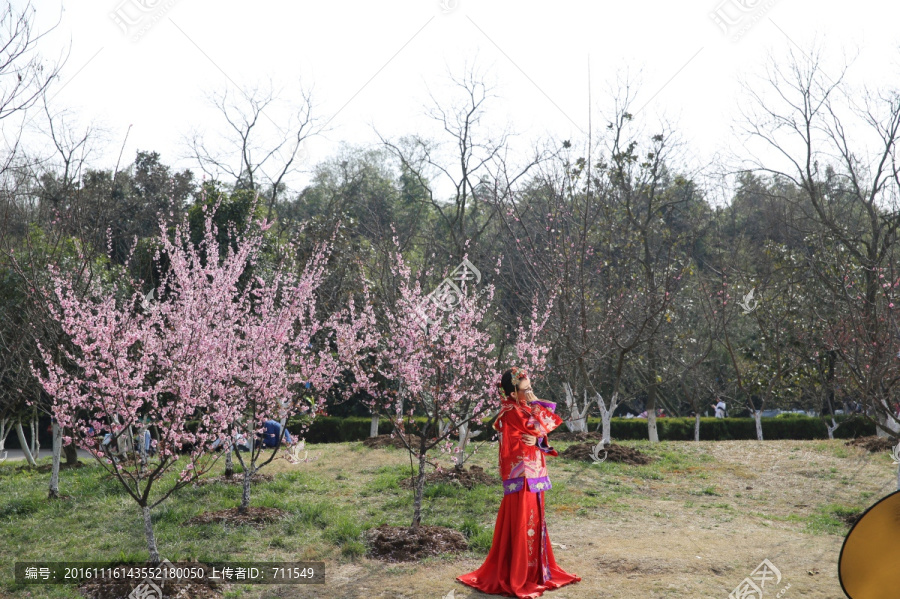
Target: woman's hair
(509,384)
(506,383)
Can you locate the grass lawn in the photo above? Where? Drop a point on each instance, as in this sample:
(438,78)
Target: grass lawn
(694,523)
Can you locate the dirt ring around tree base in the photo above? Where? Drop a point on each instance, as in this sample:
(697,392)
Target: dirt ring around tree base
(119,589)
(872,444)
(475,475)
(406,543)
(615,453)
(254,516)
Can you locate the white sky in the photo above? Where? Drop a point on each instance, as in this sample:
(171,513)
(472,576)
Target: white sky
(370,62)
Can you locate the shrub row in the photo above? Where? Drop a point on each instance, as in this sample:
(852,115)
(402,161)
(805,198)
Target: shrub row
(333,429)
(330,429)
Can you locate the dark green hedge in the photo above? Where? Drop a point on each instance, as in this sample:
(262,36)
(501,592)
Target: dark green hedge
(333,429)
(329,429)
(720,429)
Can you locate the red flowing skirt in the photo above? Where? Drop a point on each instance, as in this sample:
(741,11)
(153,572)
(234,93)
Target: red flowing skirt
(520,562)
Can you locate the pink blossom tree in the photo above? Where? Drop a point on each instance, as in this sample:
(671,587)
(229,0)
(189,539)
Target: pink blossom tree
(286,348)
(210,352)
(136,360)
(443,368)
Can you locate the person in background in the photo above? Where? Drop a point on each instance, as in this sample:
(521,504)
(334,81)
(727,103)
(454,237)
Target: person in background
(273,431)
(720,409)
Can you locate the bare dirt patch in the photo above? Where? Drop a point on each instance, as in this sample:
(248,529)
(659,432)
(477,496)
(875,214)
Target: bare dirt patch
(849,518)
(475,475)
(615,453)
(872,444)
(632,566)
(567,436)
(254,516)
(41,468)
(404,544)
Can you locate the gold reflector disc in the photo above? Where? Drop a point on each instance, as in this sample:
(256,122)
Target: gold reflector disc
(869,559)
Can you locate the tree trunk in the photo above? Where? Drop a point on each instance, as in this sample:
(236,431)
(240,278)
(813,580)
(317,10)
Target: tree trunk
(757,416)
(57,449)
(697,427)
(229,461)
(652,431)
(148,531)
(463,431)
(71,453)
(35,439)
(831,428)
(420,487)
(24,444)
(245,494)
(249,469)
(373,429)
(463,441)
(576,421)
(123,443)
(892,420)
(464,438)
(606,416)
(4,431)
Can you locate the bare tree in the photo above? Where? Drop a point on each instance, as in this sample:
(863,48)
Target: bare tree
(475,164)
(24,75)
(838,147)
(651,200)
(259,151)
(765,368)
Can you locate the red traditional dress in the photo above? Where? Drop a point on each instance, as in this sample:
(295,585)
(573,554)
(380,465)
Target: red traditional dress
(520,562)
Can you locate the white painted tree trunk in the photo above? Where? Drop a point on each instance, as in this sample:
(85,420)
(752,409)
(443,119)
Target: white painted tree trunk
(887,422)
(606,416)
(831,428)
(373,428)
(757,416)
(576,421)
(464,437)
(652,431)
(4,431)
(57,449)
(35,440)
(24,444)
(697,427)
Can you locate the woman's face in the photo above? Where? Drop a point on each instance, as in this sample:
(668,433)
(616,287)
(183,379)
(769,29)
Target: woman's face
(523,390)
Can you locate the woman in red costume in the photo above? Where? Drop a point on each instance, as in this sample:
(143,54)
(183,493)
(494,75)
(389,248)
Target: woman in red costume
(520,562)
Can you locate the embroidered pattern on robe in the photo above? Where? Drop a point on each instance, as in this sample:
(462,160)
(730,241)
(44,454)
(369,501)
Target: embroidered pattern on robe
(522,464)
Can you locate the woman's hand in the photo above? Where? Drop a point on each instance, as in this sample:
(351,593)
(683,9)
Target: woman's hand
(529,439)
